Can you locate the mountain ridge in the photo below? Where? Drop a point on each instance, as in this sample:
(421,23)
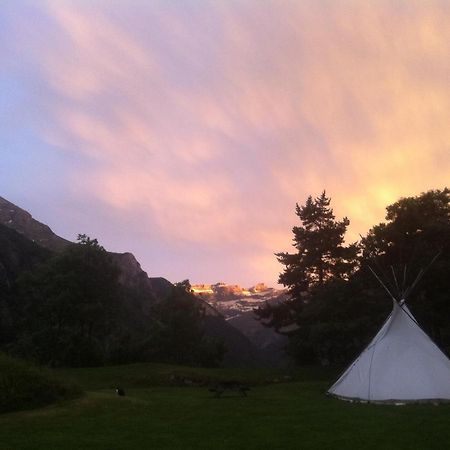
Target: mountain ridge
(131,273)
(23,222)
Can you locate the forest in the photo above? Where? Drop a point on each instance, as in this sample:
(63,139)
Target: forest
(70,309)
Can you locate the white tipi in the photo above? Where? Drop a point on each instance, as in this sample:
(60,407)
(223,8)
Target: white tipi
(401,364)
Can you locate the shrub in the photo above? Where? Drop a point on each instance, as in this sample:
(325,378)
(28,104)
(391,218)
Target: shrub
(23,386)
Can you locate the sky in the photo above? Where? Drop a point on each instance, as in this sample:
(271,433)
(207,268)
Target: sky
(185,131)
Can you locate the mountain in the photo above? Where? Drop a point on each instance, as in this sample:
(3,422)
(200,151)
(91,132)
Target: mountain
(20,220)
(237,304)
(24,242)
(131,273)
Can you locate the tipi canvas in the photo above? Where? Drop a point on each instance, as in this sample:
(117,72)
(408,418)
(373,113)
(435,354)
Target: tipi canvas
(401,364)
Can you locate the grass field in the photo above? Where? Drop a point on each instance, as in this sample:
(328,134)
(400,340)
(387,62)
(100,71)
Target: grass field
(156,415)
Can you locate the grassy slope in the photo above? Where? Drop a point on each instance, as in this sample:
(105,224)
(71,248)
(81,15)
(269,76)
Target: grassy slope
(149,375)
(23,386)
(278,416)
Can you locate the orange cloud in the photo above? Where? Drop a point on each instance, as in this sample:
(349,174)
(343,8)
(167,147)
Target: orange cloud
(211,128)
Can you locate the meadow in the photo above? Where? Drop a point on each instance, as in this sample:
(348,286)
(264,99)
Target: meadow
(170,407)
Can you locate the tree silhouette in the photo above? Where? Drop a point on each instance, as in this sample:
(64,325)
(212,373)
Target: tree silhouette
(321,254)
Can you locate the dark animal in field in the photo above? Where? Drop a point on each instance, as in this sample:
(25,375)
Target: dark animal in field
(120,392)
(223,386)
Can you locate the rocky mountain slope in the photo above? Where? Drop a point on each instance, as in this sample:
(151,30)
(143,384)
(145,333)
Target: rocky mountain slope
(131,273)
(20,220)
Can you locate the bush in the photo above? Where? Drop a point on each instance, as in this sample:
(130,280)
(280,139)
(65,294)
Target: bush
(23,386)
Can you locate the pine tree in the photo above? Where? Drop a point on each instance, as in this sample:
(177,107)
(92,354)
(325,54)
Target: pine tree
(321,254)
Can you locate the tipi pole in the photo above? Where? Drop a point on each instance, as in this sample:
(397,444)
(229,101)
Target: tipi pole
(421,274)
(382,284)
(395,280)
(404,281)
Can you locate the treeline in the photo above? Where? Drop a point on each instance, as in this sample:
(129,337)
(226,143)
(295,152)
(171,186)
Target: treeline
(336,305)
(69,309)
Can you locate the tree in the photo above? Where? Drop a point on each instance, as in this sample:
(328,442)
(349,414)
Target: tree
(180,337)
(321,254)
(321,261)
(416,230)
(67,310)
(415,226)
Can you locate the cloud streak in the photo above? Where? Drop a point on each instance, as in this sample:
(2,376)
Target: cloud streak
(204,125)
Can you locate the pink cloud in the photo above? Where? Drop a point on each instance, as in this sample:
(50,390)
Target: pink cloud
(210,129)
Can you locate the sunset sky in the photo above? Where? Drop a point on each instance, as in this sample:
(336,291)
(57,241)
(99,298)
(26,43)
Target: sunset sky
(185,131)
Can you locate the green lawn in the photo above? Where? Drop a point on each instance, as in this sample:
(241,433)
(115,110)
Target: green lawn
(152,415)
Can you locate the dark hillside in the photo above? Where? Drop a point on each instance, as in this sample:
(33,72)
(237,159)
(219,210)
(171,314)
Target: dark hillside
(18,254)
(25,242)
(240,352)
